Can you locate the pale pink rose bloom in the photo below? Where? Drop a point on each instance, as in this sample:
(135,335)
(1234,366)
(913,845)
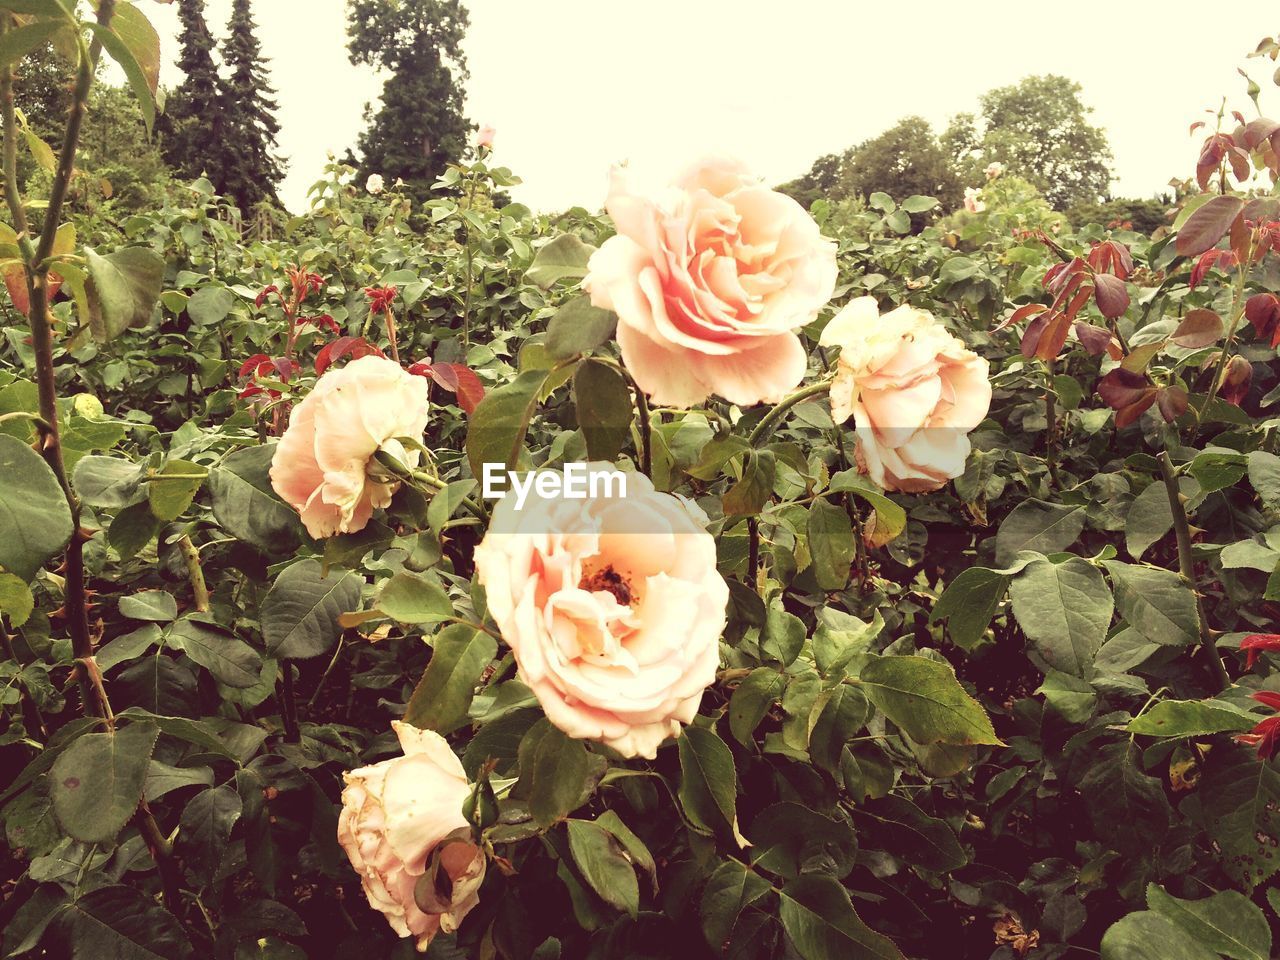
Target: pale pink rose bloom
(709,279)
(914,391)
(486,136)
(994,169)
(320,465)
(394,815)
(613,608)
(375,184)
(971,201)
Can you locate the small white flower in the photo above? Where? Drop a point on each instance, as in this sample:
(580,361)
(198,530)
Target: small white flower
(375,183)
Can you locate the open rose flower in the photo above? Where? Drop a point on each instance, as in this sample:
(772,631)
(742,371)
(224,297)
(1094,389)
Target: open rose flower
(972,200)
(913,389)
(486,136)
(994,169)
(321,465)
(613,608)
(375,184)
(709,280)
(395,815)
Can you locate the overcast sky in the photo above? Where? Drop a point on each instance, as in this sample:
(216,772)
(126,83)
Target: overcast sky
(575,85)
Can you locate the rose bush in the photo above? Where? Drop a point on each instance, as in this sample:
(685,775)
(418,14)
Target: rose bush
(961,645)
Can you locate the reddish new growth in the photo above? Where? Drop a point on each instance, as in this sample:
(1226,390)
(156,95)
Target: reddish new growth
(380,300)
(1266,735)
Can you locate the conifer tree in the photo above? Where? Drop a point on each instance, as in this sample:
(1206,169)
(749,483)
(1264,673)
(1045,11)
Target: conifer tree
(419,127)
(191,126)
(253,171)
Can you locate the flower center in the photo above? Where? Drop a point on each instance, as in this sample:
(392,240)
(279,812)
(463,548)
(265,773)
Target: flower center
(611,581)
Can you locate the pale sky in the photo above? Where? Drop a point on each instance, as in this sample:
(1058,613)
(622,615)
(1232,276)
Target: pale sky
(576,85)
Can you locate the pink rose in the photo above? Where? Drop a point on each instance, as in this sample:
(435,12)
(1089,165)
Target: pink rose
(709,279)
(913,389)
(395,815)
(321,464)
(971,201)
(613,608)
(486,136)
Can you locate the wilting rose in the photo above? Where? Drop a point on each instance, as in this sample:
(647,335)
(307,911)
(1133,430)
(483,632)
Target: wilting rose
(375,184)
(395,815)
(613,608)
(486,137)
(971,201)
(913,389)
(321,464)
(709,279)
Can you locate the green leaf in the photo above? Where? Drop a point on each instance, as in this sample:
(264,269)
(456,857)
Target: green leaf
(918,204)
(172,488)
(35,521)
(708,782)
(908,833)
(968,604)
(134,44)
(108,483)
(149,605)
(1065,609)
(1148,520)
(791,839)
(230,660)
(564,257)
(459,656)
(123,289)
(117,922)
(1147,935)
(1240,798)
(830,544)
(1157,603)
(96,783)
(246,506)
(414,598)
(751,700)
(205,827)
(495,432)
(556,769)
(300,612)
(784,634)
(1217,469)
(162,778)
(1227,922)
(578,327)
(17,42)
(603,403)
(1038,526)
(890,518)
(747,497)
(821,923)
(729,890)
(1264,475)
(599,857)
(925,699)
(210,305)
(16,601)
(1127,807)
(1190,718)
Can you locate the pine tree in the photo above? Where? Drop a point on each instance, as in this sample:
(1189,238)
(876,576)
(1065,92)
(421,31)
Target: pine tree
(191,126)
(419,128)
(253,171)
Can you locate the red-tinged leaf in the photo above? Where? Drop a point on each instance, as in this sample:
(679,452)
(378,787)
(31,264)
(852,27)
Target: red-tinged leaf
(460,380)
(1208,225)
(1111,256)
(1121,388)
(1224,259)
(353,347)
(254,364)
(1172,402)
(1022,313)
(1195,126)
(1257,642)
(1095,340)
(1241,168)
(1263,312)
(1131,413)
(1111,294)
(1236,380)
(1258,131)
(1199,328)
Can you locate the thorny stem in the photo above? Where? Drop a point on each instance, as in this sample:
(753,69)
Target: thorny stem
(195,574)
(780,409)
(288,705)
(1051,415)
(1187,567)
